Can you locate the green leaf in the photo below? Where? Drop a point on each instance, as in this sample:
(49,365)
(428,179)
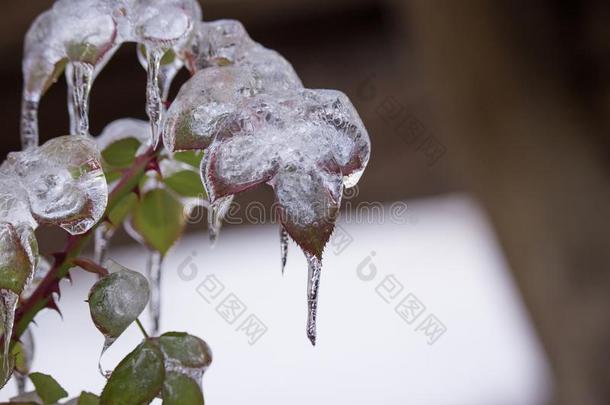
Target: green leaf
(187,183)
(112,175)
(19,256)
(117,215)
(118,299)
(187,350)
(179,389)
(87,398)
(47,388)
(122,153)
(190,157)
(137,379)
(159,219)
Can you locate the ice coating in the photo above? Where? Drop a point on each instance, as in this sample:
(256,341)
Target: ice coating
(227,66)
(185,354)
(284,239)
(84,34)
(307,146)
(154,272)
(303,146)
(226,42)
(8,304)
(117,300)
(64,182)
(79,31)
(203,104)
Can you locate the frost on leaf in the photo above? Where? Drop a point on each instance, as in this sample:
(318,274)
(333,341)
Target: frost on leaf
(63,181)
(118,299)
(185,354)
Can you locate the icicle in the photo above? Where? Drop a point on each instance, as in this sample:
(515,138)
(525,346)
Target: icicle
(154,267)
(283,247)
(313,284)
(216,212)
(21,376)
(108,341)
(29,123)
(103,234)
(154,104)
(70,98)
(80,83)
(8,304)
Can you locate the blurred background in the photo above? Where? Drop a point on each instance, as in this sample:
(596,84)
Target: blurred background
(489,120)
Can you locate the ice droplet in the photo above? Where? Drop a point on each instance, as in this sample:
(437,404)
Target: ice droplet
(8,304)
(103,234)
(108,341)
(154,270)
(283,247)
(216,213)
(80,86)
(313,285)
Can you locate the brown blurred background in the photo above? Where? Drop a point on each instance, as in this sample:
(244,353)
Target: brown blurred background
(508,100)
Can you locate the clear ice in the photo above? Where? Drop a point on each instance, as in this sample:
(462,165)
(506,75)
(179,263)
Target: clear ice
(64,182)
(247,108)
(154,270)
(83,35)
(185,354)
(284,239)
(115,302)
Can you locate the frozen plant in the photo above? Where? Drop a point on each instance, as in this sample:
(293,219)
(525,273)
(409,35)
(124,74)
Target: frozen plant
(243,119)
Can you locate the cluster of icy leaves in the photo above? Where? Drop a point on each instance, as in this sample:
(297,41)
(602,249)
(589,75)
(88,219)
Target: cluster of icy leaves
(84,34)
(60,183)
(247,108)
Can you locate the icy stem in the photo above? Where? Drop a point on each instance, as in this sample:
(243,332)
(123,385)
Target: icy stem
(154,103)
(8,304)
(29,123)
(103,234)
(154,267)
(283,247)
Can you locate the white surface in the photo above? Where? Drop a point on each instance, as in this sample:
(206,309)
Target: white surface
(366,354)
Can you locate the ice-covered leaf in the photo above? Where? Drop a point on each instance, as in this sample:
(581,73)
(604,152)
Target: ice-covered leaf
(203,104)
(159,219)
(179,389)
(18,256)
(187,183)
(307,146)
(182,350)
(116,300)
(64,182)
(47,388)
(137,379)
